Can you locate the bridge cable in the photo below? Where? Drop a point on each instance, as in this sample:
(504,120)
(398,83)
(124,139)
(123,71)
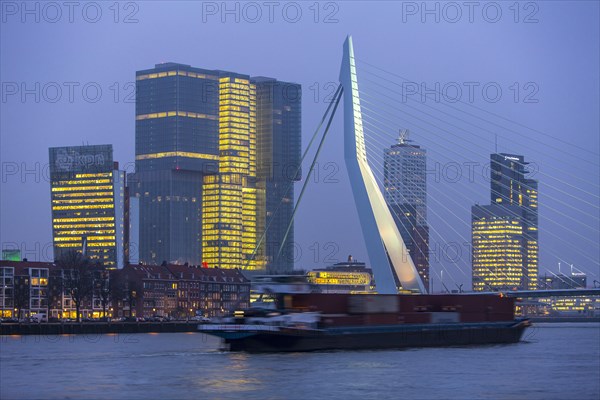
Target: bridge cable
(312,166)
(291,184)
(564,142)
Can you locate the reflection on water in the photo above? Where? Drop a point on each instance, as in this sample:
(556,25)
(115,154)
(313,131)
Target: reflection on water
(555,361)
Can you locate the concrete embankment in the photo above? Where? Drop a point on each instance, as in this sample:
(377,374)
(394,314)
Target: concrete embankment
(564,319)
(95,328)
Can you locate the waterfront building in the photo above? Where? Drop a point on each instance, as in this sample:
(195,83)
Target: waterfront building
(177,291)
(505,233)
(88,203)
(575,280)
(180,291)
(29,288)
(344,277)
(7,290)
(405,183)
(574,306)
(201,180)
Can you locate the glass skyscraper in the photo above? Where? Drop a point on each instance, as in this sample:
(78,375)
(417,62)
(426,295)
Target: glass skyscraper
(505,233)
(88,203)
(405,182)
(200,137)
(279,126)
(176,144)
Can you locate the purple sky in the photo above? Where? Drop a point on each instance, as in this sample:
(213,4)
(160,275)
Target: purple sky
(558,55)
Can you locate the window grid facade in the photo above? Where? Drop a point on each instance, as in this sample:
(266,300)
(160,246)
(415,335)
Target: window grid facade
(87,200)
(514,197)
(202,143)
(230,207)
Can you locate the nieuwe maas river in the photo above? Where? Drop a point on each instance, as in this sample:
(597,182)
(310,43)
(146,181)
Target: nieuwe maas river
(555,361)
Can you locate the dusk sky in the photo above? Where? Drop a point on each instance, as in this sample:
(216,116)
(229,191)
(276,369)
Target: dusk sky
(548,55)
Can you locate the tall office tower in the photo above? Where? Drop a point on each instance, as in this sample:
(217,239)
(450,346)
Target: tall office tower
(88,203)
(176,145)
(405,182)
(498,239)
(231,198)
(133,231)
(197,139)
(505,234)
(279,126)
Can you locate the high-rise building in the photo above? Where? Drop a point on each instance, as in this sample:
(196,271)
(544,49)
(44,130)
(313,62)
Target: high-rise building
(505,234)
(405,182)
(497,254)
(278,128)
(133,231)
(200,140)
(88,203)
(176,144)
(405,176)
(231,198)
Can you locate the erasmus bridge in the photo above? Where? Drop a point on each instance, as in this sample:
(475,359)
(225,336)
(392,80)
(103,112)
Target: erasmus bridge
(389,258)
(386,249)
(385,246)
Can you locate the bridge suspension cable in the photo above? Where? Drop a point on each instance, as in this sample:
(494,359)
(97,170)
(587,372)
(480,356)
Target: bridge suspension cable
(291,183)
(373,118)
(336,100)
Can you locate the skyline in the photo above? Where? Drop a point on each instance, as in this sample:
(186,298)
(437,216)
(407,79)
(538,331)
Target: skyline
(550,115)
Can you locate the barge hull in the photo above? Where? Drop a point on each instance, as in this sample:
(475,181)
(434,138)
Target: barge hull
(390,337)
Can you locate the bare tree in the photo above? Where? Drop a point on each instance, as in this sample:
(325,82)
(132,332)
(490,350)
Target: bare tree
(103,289)
(54,292)
(116,288)
(79,280)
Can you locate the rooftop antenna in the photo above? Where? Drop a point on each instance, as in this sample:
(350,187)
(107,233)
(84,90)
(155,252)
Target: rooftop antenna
(403,138)
(496,143)
(559,267)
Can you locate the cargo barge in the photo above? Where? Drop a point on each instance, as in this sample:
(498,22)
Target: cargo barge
(312,322)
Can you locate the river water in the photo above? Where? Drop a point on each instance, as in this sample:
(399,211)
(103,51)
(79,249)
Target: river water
(554,361)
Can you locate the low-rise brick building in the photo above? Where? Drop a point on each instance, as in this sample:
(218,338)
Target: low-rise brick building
(178,291)
(31,287)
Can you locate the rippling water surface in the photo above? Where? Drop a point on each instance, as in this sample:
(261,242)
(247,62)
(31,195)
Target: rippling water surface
(555,361)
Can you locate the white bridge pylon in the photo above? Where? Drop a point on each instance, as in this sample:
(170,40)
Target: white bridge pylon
(385,246)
